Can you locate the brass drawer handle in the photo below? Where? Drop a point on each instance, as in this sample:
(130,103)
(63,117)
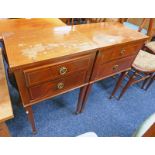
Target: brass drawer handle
(122,52)
(63,70)
(60,85)
(115,67)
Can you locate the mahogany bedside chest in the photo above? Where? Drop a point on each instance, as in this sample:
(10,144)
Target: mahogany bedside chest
(118,46)
(49,62)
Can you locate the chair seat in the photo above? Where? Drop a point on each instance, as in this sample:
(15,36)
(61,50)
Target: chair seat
(144,62)
(151,46)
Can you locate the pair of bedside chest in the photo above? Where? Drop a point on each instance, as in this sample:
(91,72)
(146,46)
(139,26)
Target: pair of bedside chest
(51,61)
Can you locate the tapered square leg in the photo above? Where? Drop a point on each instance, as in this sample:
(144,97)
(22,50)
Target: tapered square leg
(88,90)
(80,99)
(29,113)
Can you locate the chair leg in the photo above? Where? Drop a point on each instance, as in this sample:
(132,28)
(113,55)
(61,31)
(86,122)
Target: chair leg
(118,83)
(150,82)
(129,83)
(86,97)
(80,99)
(146,81)
(29,112)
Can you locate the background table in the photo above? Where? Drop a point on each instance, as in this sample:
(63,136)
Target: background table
(6,112)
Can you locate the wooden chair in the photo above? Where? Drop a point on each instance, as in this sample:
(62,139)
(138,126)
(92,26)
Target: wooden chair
(97,20)
(74,21)
(143,69)
(150,45)
(121,20)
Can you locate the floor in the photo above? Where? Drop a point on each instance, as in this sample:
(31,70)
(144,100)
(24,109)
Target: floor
(55,117)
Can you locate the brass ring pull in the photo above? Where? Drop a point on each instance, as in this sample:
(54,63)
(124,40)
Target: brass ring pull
(60,85)
(122,52)
(115,67)
(63,70)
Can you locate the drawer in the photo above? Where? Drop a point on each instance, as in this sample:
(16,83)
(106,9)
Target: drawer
(118,52)
(55,87)
(111,68)
(50,72)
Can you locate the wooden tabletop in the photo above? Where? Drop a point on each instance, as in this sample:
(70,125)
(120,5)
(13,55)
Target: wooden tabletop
(106,34)
(9,25)
(27,47)
(5,104)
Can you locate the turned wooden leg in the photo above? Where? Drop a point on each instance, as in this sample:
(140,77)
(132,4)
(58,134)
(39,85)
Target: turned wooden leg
(29,113)
(150,82)
(80,99)
(4,131)
(118,83)
(129,83)
(86,97)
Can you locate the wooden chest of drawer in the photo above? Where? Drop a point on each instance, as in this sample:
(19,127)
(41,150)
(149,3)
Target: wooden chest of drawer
(52,88)
(48,72)
(113,67)
(118,52)
(111,61)
(42,81)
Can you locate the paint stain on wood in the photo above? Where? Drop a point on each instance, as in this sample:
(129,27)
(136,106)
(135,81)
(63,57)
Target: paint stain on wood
(34,50)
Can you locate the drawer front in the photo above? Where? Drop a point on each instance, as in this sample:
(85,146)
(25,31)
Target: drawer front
(118,52)
(50,72)
(111,68)
(55,87)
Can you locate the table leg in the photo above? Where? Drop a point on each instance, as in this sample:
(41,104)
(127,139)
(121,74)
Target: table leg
(29,113)
(86,97)
(80,99)
(4,131)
